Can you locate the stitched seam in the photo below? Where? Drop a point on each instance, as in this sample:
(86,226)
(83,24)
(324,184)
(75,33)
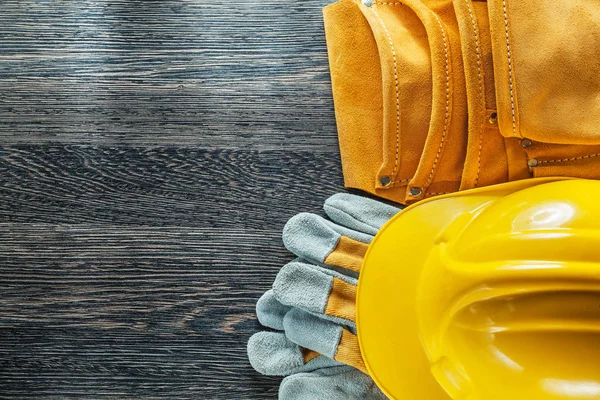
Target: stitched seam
(396,85)
(388,3)
(510,70)
(438,193)
(446,117)
(569,159)
(481,101)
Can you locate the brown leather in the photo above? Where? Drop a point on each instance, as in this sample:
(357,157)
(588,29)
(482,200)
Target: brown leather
(434,96)
(547,62)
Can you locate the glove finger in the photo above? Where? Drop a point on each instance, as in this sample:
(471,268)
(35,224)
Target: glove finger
(334,383)
(313,237)
(271,353)
(324,337)
(359,213)
(317,290)
(270,311)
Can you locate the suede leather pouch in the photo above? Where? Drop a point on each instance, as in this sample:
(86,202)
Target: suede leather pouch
(443,157)
(547,69)
(416,51)
(380,70)
(492,159)
(435,96)
(486,161)
(381,79)
(357,85)
(547,77)
(577,161)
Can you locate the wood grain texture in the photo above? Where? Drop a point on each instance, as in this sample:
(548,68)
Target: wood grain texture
(245,73)
(108,311)
(150,154)
(162,186)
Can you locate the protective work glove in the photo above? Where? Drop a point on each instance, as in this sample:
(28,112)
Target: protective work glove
(312,305)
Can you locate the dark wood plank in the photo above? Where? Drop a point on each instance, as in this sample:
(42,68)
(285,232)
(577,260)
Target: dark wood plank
(133,272)
(93,310)
(209,73)
(177,186)
(150,153)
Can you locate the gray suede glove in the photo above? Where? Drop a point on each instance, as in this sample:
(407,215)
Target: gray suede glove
(312,304)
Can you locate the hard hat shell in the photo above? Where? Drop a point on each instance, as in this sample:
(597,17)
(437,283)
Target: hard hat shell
(487,294)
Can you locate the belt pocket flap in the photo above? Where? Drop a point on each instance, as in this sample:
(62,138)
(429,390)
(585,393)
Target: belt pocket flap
(547,69)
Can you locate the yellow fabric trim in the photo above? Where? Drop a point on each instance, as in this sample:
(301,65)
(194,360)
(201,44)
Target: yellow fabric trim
(348,351)
(309,355)
(348,253)
(342,300)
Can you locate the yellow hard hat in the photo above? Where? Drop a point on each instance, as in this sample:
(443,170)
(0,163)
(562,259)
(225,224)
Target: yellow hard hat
(487,294)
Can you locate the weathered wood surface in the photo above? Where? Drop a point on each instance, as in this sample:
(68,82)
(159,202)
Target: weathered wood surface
(150,153)
(217,73)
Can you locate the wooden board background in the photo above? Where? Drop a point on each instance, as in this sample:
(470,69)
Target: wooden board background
(151,152)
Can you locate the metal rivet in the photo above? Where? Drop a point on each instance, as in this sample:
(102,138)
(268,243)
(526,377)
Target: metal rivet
(367,3)
(493,118)
(385,180)
(532,162)
(415,191)
(526,143)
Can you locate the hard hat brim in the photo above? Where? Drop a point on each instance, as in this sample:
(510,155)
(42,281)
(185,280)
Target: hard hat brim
(387,320)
